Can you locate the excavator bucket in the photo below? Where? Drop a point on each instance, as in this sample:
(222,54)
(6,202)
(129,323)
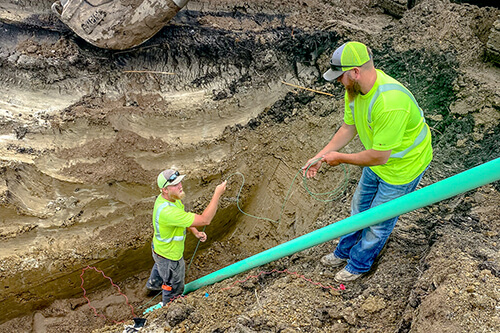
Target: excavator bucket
(116,24)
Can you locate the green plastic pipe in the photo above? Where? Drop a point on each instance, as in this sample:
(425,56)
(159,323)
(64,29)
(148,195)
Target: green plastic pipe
(444,189)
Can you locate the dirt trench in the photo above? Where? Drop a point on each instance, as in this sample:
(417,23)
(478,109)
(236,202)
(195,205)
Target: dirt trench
(85,132)
(81,157)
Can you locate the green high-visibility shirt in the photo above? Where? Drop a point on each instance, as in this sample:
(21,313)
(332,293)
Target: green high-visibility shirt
(395,123)
(170,222)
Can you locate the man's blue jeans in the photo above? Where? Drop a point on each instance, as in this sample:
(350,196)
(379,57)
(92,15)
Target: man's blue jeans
(362,247)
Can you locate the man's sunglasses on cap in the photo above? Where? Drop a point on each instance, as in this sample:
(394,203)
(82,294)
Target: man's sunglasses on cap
(171,178)
(340,68)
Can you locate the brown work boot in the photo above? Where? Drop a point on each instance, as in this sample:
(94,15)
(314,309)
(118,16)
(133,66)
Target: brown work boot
(345,276)
(332,261)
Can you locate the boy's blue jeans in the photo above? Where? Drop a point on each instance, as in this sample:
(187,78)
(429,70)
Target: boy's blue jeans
(362,247)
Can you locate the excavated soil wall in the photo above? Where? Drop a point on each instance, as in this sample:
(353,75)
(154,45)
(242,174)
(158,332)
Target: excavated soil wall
(80,158)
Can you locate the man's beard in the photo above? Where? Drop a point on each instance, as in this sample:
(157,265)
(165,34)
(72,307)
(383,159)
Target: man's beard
(177,197)
(180,196)
(353,90)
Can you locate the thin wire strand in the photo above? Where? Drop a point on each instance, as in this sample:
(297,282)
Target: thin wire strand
(331,195)
(150,72)
(309,89)
(319,284)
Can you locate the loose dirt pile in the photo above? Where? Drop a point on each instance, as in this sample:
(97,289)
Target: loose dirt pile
(85,132)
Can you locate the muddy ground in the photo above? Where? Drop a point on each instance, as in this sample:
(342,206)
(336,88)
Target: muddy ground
(85,131)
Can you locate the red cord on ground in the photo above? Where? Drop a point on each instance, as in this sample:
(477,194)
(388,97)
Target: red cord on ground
(341,286)
(114,285)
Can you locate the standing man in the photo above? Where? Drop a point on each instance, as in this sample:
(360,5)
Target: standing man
(397,141)
(170,222)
